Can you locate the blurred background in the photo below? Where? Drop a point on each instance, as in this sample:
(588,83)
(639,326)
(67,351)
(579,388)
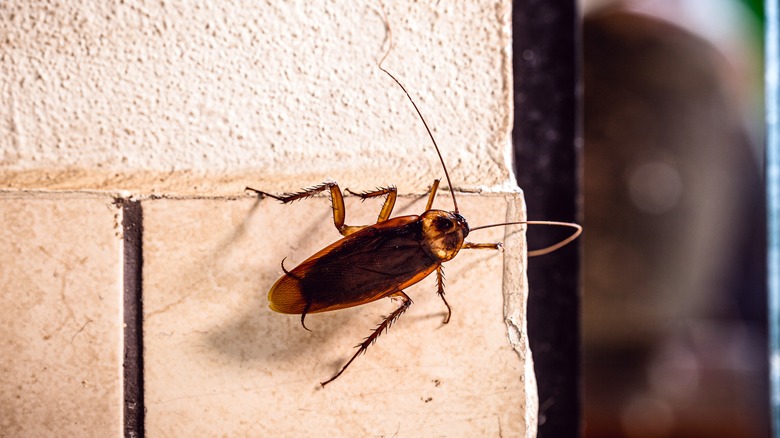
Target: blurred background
(674,302)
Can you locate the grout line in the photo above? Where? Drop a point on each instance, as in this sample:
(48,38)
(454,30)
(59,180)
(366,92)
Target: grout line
(132,216)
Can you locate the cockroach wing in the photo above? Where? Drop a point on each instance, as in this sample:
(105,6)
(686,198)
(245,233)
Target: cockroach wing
(363,267)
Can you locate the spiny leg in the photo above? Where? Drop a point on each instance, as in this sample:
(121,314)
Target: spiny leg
(440,285)
(440,272)
(387,208)
(336,198)
(286,198)
(383,327)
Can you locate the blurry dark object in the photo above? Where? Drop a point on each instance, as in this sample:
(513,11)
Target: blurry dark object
(674,303)
(545,41)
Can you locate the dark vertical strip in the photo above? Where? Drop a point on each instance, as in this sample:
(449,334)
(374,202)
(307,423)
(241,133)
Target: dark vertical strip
(133,342)
(546,78)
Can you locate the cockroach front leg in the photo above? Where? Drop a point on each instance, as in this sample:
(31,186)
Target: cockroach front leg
(440,287)
(336,198)
(498,246)
(440,272)
(383,327)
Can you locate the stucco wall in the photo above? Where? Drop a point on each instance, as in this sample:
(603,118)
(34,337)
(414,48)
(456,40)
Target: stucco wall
(206,97)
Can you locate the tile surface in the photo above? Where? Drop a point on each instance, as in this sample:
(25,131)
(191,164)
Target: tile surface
(60,316)
(218,361)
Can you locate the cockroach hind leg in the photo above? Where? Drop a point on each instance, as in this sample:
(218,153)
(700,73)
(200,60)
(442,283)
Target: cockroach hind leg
(382,327)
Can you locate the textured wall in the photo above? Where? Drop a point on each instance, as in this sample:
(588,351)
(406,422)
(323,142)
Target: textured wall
(211,96)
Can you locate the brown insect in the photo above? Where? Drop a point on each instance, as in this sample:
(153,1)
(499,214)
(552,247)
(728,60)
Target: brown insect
(380,260)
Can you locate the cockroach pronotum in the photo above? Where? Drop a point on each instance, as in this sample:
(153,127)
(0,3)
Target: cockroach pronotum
(380,260)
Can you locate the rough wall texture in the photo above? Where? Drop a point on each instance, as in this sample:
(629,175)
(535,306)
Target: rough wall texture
(206,97)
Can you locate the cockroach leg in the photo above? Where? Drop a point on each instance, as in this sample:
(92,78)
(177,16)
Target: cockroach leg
(337,202)
(432,194)
(335,195)
(498,246)
(262,194)
(383,327)
(290,197)
(440,286)
(387,208)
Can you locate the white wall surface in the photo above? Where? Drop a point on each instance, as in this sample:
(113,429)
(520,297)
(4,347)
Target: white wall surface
(208,97)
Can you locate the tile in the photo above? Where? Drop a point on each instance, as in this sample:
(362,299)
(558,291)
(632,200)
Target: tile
(60,316)
(218,361)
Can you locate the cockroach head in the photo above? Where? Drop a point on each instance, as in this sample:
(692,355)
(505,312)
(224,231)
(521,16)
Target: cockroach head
(443,233)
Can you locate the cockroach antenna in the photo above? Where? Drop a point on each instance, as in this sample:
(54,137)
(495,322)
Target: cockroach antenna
(532,253)
(389,39)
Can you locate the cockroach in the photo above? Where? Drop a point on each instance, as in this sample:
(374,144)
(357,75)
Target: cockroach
(380,260)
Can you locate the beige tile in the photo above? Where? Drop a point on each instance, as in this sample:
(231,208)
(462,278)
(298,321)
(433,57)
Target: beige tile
(219,362)
(60,316)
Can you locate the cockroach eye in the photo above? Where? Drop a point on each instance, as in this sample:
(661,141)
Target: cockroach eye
(463,224)
(443,224)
